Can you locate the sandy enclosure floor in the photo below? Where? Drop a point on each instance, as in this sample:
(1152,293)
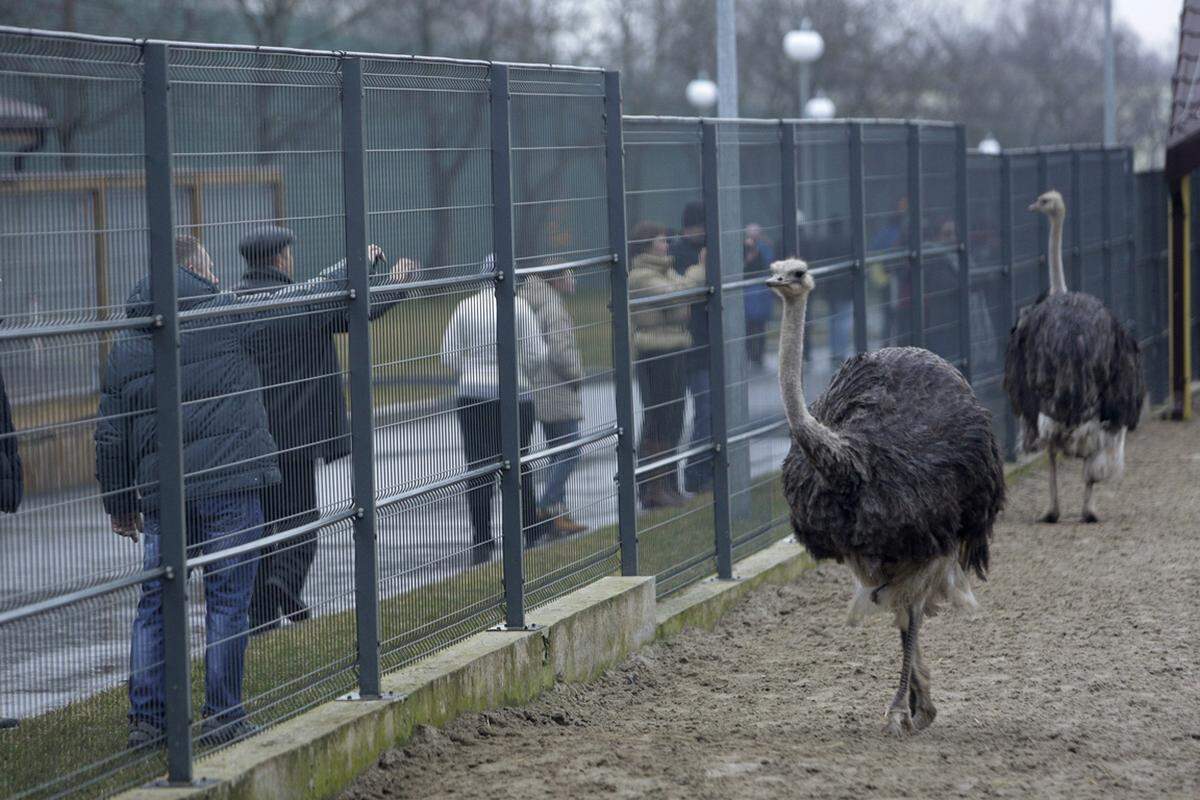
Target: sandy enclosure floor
(1079,678)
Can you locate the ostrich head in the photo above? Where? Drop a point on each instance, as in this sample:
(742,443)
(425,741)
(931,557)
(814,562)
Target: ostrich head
(790,279)
(1051,204)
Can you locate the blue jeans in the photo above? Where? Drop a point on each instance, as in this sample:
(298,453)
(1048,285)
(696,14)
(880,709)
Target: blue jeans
(561,465)
(697,477)
(213,524)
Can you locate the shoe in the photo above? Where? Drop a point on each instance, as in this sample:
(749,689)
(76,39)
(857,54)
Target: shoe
(563,525)
(215,731)
(292,606)
(655,494)
(9,722)
(145,734)
(677,499)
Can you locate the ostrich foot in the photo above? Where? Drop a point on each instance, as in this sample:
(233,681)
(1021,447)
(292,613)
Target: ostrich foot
(1050,517)
(898,722)
(1089,517)
(924,716)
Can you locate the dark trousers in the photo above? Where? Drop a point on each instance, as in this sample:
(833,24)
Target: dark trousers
(213,524)
(285,566)
(661,384)
(479,418)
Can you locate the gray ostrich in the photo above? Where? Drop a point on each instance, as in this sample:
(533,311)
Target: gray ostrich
(895,472)
(1073,375)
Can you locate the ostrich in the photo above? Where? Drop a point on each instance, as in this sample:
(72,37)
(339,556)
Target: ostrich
(1073,375)
(895,472)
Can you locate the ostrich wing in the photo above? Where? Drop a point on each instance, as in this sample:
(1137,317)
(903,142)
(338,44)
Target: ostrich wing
(1020,390)
(1121,405)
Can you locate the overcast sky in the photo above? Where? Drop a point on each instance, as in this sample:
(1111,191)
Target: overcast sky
(1156,20)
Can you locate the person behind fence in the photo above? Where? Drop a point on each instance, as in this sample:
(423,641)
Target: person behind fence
(758,302)
(686,253)
(11,480)
(228,459)
(306,412)
(469,350)
(661,339)
(558,392)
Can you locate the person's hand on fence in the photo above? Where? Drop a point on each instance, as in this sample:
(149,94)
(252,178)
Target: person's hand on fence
(128,525)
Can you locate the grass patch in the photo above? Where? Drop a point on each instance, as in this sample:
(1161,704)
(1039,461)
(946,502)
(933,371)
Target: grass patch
(80,748)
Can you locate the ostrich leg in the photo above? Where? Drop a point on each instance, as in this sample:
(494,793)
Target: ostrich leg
(1089,510)
(898,720)
(920,700)
(1051,516)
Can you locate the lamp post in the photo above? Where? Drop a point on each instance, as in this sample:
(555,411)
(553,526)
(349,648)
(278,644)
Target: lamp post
(819,107)
(701,93)
(989,146)
(804,46)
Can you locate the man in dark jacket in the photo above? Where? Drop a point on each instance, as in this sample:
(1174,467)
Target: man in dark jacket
(11,482)
(306,411)
(228,458)
(686,251)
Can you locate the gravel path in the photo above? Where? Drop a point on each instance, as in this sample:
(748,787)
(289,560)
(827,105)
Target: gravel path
(1079,678)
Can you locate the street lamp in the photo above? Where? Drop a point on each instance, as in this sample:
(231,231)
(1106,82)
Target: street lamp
(804,46)
(989,146)
(819,107)
(701,92)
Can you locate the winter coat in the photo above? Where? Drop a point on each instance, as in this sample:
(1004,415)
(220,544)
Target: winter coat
(559,379)
(227,445)
(687,264)
(659,328)
(759,300)
(304,398)
(469,345)
(11,481)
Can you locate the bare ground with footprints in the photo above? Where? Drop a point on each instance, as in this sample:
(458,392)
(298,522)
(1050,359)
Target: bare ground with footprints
(1078,678)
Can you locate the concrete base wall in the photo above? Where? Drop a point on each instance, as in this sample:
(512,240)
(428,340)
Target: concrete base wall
(320,752)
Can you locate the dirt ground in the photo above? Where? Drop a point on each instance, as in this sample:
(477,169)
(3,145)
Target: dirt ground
(1078,678)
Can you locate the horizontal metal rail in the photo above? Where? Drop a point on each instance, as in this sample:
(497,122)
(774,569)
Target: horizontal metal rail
(674,458)
(275,538)
(574,568)
(272,304)
(449,282)
(756,432)
(666,297)
(292,51)
(81,595)
(74,328)
(583,441)
(491,468)
(580,263)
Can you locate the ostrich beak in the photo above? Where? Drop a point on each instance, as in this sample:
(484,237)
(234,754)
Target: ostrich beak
(1032,206)
(775,280)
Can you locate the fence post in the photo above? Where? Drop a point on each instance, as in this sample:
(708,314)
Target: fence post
(916,266)
(160,223)
(1043,174)
(787,186)
(962,223)
(1076,218)
(506,352)
(1106,229)
(614,164)
(1130,239)
(1009,287)
(366,546)
(710,164)
(858,236)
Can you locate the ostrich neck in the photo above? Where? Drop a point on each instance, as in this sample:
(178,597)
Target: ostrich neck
(810,433)
(1058,281)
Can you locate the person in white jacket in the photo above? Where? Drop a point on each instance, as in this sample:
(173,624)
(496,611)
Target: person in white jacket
(469,350)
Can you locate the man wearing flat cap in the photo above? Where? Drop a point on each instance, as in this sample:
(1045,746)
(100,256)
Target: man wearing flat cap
(306,411)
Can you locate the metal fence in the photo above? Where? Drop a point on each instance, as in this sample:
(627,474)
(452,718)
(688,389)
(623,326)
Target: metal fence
(515,342)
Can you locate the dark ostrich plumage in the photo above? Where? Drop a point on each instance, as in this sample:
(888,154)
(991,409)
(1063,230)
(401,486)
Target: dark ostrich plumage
(1071,359)
(917,475)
